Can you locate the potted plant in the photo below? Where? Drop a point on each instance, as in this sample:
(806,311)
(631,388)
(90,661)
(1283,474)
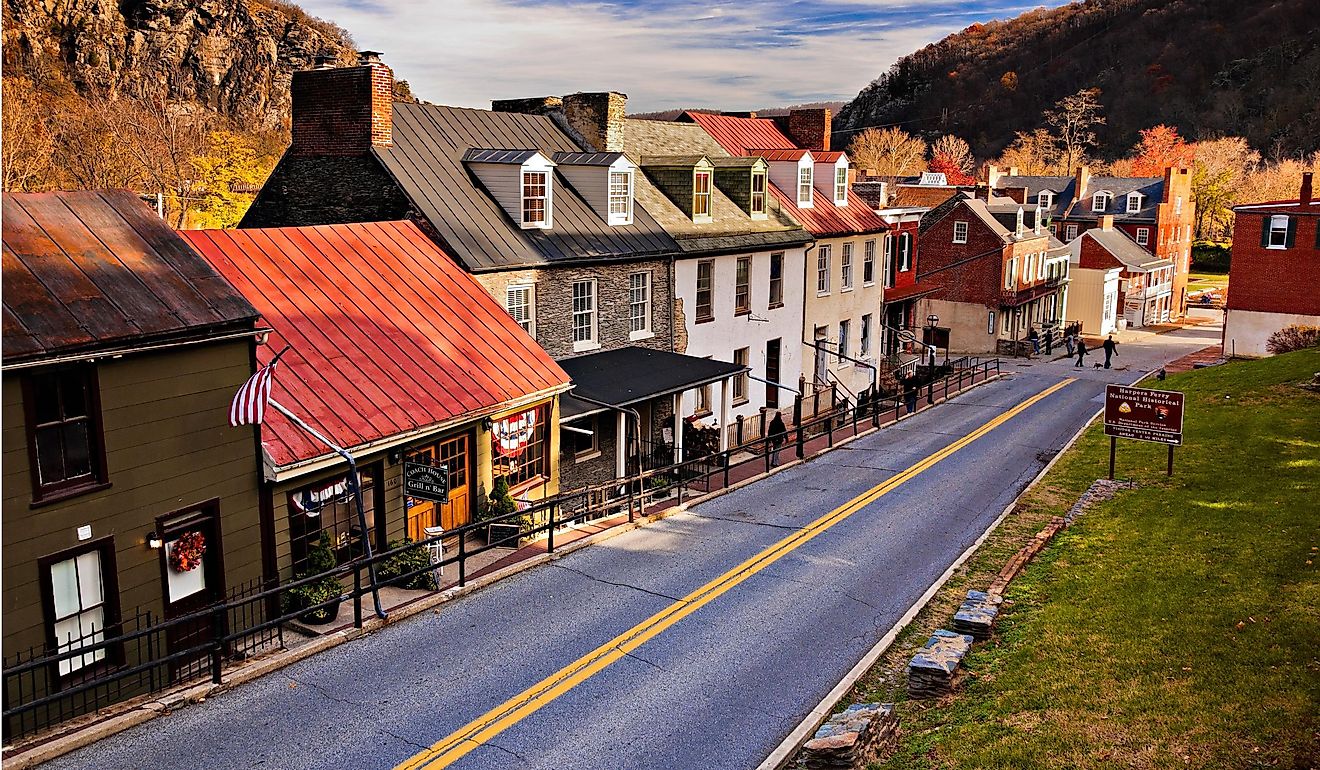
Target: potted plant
(504,529)
(392,569)
(320,560)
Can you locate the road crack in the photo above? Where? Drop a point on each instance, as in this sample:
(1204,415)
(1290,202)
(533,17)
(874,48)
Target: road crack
(640,659)
(742,521)
(324,692)
(620,585)
(506,750)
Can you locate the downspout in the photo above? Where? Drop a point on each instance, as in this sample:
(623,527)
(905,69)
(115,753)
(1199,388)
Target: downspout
(806,275)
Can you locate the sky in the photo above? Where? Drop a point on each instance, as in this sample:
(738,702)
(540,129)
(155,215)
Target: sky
(728,54)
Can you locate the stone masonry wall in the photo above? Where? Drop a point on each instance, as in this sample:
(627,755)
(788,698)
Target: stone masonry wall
(326,190)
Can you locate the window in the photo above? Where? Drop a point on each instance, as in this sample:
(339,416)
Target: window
(1278,234)
(777,279)
(701,195)
(742,299)
(533,461)
(705,290)
(1028,264)
(841,185)
(703,399)
(1040,270)
(868,263)
(823,269)
(518,301)
(1133,203)
(865,348)
(804,186)
(639,304)
(583,446)
(1045,199)
(772,350)
(891,265)
(740,357)
(1071,232)
(1143,236)
(1018,228)
(1100,201)
(83,602)
(621,197)
(758,192)
(535,199)
(846,268)
(960,232)
(990,323)
(584,313)
(904,252)
(844,328)
(1177,204)
(64,431)
(329,507)
(1010,275)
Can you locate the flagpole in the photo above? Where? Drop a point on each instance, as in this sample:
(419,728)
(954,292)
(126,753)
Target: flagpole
(357,493)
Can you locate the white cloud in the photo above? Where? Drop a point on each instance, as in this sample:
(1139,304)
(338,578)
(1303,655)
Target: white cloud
(686,54)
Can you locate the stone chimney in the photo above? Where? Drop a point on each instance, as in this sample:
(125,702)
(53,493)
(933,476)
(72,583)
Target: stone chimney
(598,118)
(536,105)
(1305,195)
(1082,180)
(1107,222)
(343,110)
(810,129)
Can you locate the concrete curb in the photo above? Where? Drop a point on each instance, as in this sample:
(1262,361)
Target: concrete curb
(788,748)
(137,712)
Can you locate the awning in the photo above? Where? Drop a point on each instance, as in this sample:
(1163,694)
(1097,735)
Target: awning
(632,375)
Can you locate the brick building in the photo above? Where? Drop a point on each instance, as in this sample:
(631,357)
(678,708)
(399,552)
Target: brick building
(1145,282)
(999,270)
(1156,212)
(1274,279)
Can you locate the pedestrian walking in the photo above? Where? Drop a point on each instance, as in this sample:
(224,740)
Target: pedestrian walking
(1049,341)
(778,434)
(910,394)
(1069,342)
(1111,349)
(1034,338)
(1081,353)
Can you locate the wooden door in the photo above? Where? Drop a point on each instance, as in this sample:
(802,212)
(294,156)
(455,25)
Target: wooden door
(192,585)
(457,453)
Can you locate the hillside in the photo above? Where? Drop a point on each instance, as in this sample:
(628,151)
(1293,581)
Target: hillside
(1210,67)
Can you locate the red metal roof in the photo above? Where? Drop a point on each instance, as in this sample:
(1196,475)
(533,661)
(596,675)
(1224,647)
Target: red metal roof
(98,270)
(776,154)
(758,136)
(388,334)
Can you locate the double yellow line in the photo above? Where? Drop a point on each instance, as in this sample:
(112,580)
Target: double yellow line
(472,735)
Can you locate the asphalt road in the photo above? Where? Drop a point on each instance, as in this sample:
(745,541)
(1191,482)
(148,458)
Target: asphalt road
(719,688)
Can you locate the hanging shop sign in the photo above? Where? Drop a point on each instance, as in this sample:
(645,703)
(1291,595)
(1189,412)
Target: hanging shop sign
(426,482)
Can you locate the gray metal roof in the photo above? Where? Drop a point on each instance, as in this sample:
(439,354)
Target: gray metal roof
(586,158)
(629,375)
(739,161)
(1151,188)
(430,143)
(517,157)
(1126,250)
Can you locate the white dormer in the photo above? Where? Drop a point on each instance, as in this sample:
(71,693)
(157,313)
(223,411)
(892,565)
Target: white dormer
(1039,219)
(792,171)
(1134,202)
(522,182)
(1019,229)
(1045,198)
(806,177)
(1100,201)
(605,180)
(831,178)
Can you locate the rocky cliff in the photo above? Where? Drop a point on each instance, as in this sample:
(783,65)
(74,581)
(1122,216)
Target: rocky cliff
(234,57)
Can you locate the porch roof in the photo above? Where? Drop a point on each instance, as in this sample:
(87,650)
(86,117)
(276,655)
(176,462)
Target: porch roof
(630,375)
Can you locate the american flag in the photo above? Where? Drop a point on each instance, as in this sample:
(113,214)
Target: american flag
(249,404)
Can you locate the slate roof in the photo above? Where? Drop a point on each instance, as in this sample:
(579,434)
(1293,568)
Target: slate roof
(1126,250)
(731,228)
(427,162)
(630,375)
(515,157)
(387,334)
(586,158)
(1151,188)
(762,136)
(99,271)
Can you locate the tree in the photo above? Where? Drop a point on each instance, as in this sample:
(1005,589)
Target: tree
(888,152)
(1074,119)
(1009,81)
(1219,169)
(29,141)
(954,150)
(1160,147)
(1033,154)
(943,163)
(231,160)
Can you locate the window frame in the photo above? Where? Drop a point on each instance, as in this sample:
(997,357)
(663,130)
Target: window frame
(701,213)
(824,262)
(301,536)
(1100,202)
(646,330)
(961,229)
(545,197)
(841,185)
(541,435)
(806,178)
(864,347)
(624,217)
(1045,199)
(530,320)
(1070,231)
(775,285)
(740,392)
(889,267)
(709,315)
(846,267)
(110,618)
(904,252)
(1133,198)
(868,263)
(66,488)
(1143,236)
(593,450)
(759,196)
(845,331)
(742,286)
(592,313)
(1274,220)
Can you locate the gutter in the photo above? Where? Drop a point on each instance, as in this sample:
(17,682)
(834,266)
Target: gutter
(92,355)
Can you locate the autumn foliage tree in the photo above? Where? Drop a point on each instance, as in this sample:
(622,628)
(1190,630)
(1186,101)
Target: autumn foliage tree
(1160,147)
(888,152)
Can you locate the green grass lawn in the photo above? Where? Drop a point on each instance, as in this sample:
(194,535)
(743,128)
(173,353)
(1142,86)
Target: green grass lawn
(1202,281)
(1175,626)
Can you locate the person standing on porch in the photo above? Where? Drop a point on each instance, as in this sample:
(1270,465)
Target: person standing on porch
(778,433)
(1111,349)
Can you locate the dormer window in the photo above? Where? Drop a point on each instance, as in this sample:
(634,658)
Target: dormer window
(535,199)
(841,185)
(1100,201)
(1133,203)
(805,178)
(1018,229)
(621,197)
(758,193)
(701,196)
(1040,219)
(1045,199)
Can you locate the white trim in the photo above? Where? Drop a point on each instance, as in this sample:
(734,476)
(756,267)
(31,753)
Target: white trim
(1134,197)
(965,228)
(1096,205)
(808,168)
(625,217)
(530,291)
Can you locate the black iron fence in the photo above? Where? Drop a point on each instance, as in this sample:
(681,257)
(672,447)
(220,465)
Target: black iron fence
(147,654)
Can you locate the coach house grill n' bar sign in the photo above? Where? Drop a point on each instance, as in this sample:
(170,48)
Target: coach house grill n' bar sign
(1144,414)
(426,482)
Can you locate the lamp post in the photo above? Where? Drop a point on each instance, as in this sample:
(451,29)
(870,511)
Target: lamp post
(931,322)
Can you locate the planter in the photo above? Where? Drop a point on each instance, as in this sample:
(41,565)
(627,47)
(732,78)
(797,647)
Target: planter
(322,615)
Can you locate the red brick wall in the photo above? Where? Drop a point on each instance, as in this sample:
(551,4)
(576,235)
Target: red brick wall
(810,128)
(1095,257)
(342,111)
(1274,280)
(975,281)
(903,278)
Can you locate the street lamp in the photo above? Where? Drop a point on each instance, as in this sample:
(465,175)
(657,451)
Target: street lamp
(931,322)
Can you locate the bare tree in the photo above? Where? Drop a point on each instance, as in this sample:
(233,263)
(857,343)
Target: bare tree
(29,143)
(1032,154)
(888,152)
(1074,119)
(955,151)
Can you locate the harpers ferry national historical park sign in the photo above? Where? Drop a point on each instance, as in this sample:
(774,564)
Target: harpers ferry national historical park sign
(1144,415)
(426,482)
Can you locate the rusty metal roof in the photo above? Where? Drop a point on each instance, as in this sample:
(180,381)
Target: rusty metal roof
(99,271)
(388,335)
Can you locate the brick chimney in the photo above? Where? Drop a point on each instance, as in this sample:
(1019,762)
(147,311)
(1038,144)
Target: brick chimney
(1082,180)
(343,110)
(810,129)
(1107,222)
(598,118)
(1305,195)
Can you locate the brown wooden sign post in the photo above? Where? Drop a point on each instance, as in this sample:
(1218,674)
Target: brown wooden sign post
(1142,414)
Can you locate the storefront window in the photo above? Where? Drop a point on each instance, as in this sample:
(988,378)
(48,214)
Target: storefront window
(329,507)
(520,448)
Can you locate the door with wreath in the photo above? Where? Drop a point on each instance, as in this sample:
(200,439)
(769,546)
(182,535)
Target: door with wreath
(192,579)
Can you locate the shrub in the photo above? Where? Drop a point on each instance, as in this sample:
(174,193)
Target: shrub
(1210,257)
(320,559)
(1295,337)
(391,570)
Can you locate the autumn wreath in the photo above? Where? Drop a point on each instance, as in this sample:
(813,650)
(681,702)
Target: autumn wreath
(186,553)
